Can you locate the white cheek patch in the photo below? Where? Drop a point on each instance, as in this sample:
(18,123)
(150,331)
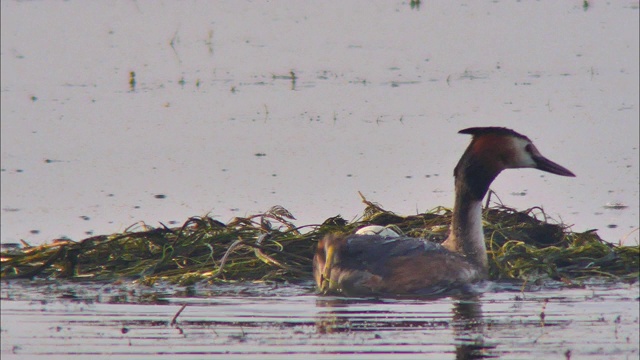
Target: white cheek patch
(521,158)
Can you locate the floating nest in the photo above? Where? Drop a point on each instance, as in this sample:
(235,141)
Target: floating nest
(268,246)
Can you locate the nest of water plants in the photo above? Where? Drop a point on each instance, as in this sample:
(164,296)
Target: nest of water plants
(522,245)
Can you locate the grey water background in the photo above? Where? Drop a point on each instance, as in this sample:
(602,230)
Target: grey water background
(239,106)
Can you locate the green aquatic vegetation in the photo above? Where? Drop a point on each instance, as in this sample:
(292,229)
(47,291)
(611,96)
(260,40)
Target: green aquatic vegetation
(522,245)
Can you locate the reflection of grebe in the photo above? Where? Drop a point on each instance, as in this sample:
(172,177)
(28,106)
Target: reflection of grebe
(361,265)
(401,325)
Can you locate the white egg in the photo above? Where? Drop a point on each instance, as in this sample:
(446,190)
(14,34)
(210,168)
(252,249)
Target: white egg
(377,230)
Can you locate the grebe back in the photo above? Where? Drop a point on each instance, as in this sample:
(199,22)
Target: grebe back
(365,265)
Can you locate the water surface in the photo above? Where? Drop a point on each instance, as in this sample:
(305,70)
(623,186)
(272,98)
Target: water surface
(272,322)
(119,112)
(238,106)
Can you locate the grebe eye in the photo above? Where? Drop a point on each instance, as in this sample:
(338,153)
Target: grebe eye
(529,148)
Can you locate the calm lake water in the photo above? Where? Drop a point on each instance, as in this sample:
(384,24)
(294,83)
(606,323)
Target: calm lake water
(119,112)
(249,321)
(237,106)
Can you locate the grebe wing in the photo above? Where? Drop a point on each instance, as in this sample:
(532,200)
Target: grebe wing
(378,265)
(371,252)
(399,245)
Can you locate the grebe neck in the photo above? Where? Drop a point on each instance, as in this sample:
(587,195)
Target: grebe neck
(466,236)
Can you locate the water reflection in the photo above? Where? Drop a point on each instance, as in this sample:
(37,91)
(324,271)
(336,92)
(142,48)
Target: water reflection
(224,322)
(458,323)
(468,330)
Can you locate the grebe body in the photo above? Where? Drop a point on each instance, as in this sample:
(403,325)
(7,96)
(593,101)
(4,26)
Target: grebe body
(373,265)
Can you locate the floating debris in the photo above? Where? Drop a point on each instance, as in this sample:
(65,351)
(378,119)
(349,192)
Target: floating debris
(132,81)
(615,206)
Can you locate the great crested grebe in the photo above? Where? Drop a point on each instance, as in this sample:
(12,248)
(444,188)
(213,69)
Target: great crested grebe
(364,265)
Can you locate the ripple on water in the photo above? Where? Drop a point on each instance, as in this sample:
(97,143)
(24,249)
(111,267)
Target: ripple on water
(251,320)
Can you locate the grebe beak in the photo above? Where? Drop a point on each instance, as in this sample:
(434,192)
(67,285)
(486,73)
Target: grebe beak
(544,164)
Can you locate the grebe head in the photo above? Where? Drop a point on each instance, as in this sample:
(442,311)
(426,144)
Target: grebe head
(501,148)
(494,149)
